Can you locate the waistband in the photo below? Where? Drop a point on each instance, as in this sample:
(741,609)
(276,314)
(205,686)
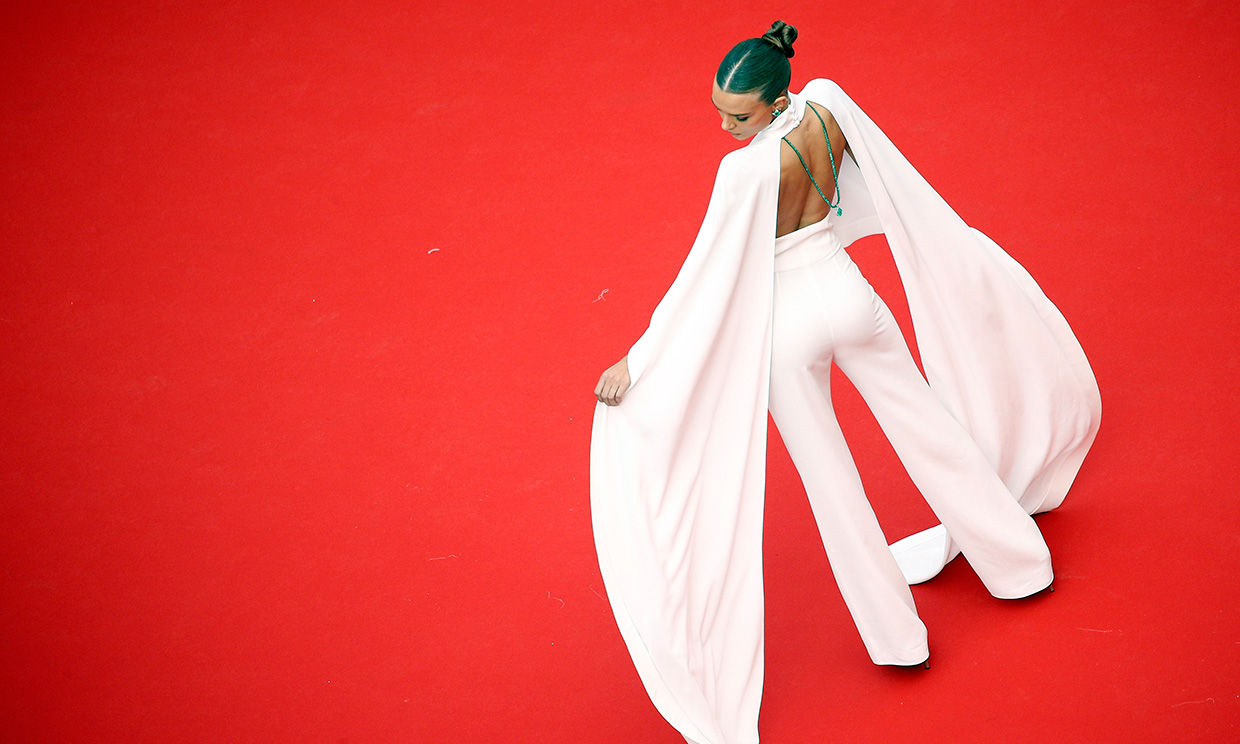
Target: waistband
(806,246)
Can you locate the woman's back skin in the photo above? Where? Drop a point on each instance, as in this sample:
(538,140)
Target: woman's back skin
(799,202)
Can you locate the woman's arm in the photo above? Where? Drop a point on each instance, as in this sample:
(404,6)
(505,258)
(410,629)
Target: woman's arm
(695,311)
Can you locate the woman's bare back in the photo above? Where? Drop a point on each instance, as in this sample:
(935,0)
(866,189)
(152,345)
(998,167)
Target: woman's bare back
(799,202)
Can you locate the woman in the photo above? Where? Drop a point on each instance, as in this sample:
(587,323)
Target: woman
(765,301)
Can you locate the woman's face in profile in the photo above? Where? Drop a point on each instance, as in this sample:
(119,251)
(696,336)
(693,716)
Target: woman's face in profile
(743,114)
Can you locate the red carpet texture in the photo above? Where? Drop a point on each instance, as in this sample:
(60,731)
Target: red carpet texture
(302,304)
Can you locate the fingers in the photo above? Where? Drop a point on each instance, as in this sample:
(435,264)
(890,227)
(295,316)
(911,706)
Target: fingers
(610,389)
(609,393)
(613,383)
(604,390)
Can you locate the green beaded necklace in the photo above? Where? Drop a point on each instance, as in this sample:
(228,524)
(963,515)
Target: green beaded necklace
(834,173)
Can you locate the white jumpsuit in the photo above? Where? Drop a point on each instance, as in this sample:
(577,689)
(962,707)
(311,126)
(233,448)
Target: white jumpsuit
(677,471)
(826,311)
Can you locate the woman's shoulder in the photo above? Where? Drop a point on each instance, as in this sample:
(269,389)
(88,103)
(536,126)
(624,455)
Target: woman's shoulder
(749,162)
(748,170)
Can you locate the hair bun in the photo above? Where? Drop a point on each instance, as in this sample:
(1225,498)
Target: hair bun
(781,35)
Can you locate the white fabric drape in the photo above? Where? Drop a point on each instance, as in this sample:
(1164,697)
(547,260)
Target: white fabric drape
(678,469)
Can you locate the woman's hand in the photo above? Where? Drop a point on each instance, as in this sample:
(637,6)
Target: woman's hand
(613,384)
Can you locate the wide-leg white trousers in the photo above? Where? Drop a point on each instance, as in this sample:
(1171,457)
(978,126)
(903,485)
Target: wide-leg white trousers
(826,311)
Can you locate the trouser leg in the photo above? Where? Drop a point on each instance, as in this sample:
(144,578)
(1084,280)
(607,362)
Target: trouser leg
(869,579)
(1000,541)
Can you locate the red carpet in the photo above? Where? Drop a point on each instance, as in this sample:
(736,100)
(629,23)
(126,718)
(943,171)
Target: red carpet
(302,305)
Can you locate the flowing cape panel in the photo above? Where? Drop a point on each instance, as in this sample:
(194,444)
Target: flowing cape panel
(996,351)
(677,470)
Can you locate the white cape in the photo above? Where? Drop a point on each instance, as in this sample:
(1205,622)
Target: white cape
(677,470)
